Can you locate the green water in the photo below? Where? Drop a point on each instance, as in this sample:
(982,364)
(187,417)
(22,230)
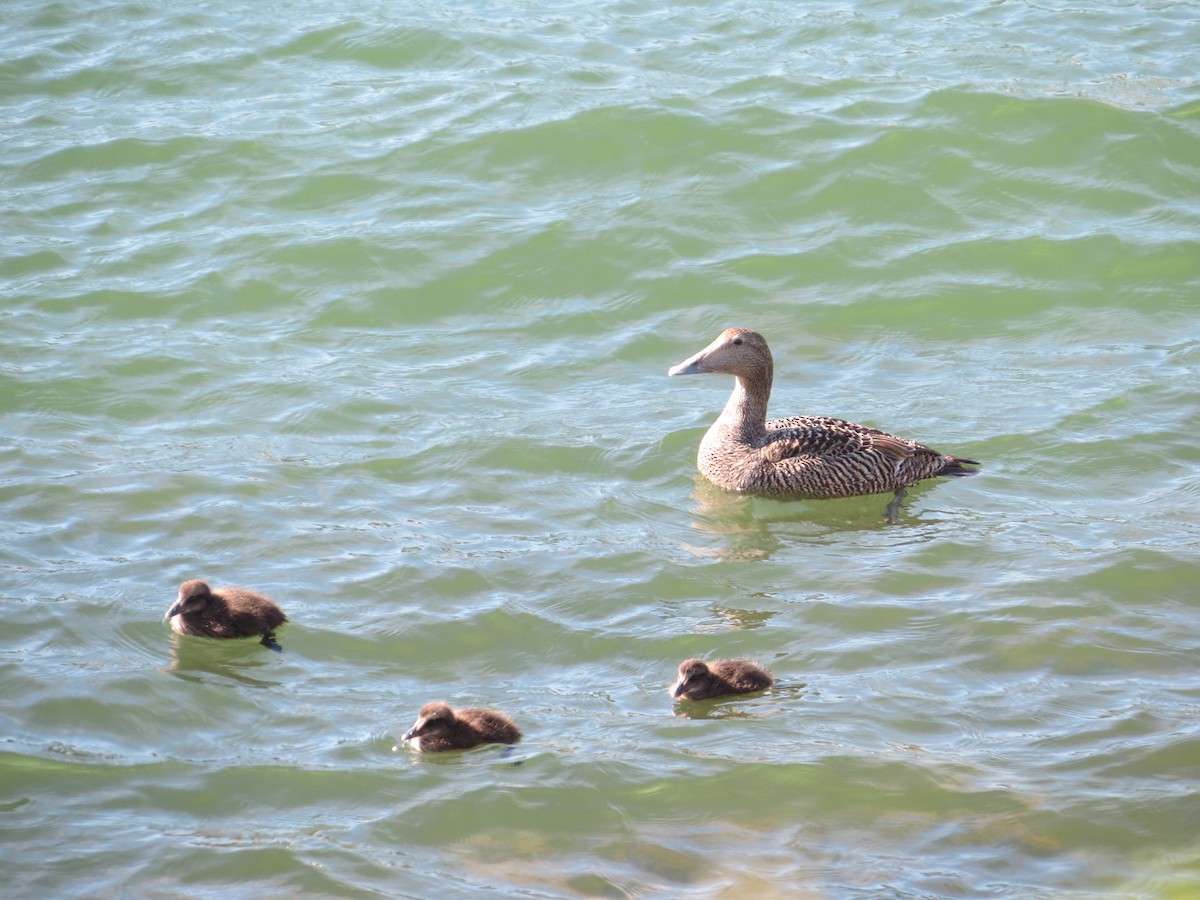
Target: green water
(370,307)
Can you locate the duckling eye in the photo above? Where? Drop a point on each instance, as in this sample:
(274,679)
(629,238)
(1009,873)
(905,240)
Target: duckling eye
(737,341)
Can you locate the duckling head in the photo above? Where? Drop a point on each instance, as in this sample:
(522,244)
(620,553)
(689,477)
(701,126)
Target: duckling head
(434,719)
(694,677)
(194,596)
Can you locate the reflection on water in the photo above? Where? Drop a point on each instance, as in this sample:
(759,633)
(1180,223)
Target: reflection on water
(758,705)
(749,529)
(728,617)
(206,660)
(730,518)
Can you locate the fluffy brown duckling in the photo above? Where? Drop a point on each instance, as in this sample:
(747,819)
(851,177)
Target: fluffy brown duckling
(438,727)
(228,612)
(801,457)
(700,680)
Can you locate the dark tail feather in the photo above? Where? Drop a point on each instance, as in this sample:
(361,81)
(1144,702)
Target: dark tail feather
(955,466)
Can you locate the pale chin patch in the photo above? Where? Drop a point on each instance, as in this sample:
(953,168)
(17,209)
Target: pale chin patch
(414,743)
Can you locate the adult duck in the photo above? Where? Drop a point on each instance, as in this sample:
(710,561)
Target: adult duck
(801,457)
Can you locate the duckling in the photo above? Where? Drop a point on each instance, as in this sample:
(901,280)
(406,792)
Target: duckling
(699,680)
(438,727)
(229,612)
(802,457)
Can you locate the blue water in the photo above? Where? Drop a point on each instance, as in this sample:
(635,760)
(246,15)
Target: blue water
(370,308)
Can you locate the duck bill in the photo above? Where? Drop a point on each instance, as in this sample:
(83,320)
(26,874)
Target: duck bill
(698,364)
(692,366)
(678,690)
(174,610)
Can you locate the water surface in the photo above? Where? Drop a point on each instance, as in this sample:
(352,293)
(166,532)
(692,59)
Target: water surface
(370,308)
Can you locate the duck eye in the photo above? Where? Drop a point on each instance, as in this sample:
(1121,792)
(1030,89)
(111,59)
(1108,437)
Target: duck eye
(737,341)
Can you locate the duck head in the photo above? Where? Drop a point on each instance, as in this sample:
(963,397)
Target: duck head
(736,351)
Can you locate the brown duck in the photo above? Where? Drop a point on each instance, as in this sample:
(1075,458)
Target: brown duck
(802,457)
(438,727)
(699,680)
(228,612)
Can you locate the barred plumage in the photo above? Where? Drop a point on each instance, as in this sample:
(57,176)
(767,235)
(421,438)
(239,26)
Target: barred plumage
(801,457)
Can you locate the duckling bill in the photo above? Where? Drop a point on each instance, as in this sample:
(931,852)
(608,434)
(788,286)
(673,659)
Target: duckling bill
(801,457)
(228,612)
(439,728)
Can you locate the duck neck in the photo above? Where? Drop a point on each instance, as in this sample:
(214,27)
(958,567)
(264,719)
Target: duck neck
(745,415)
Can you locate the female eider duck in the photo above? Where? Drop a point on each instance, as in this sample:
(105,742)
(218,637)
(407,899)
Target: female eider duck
(699,680)
(228,612)
(802,457)
(438,727)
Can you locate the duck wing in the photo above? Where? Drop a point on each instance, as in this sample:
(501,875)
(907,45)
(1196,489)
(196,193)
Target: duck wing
(826,457)
(801,436)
